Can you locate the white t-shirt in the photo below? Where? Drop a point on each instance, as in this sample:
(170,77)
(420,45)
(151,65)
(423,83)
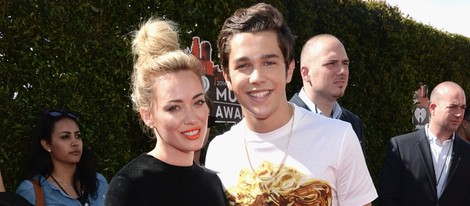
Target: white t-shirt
(325,163)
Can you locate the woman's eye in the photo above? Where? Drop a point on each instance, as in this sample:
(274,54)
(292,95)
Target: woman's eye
(200,102)
(173,108)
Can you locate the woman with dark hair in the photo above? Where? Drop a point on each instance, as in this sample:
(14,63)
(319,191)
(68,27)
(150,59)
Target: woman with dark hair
(61,165)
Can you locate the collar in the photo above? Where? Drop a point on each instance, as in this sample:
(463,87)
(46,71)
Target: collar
(336,112)
(433,138)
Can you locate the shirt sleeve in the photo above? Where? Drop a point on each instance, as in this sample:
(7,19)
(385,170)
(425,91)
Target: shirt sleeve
(354,185)
(102,188)
(118,193)
(26,190)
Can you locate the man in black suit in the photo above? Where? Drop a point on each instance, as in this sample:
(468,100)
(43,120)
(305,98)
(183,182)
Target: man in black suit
(430,166)
(325,72)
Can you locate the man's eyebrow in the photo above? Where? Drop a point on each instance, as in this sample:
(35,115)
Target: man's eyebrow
(242,59)
(267,56)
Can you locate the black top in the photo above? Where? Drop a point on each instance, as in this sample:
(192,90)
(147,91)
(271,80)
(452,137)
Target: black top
(12,199)
(149,181)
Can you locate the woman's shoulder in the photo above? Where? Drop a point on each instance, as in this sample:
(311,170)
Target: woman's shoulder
(208,173)
(27,184)
(100,177)
(138,168)
(102,182)
(26,190)
(141,162)
(101,190)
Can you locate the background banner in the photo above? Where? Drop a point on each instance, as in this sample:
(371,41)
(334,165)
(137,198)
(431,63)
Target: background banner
(421,113)
(226,107)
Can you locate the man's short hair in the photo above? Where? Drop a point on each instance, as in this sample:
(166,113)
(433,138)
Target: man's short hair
(257,18)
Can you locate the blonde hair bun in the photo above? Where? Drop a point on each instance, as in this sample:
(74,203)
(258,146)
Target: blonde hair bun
(156,37)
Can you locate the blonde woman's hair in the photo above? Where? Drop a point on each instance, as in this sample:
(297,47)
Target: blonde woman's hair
(157,51)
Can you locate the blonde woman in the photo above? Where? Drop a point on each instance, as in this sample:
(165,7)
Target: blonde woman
(168,95)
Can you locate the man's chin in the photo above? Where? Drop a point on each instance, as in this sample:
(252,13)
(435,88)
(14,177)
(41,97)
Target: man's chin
(337,96)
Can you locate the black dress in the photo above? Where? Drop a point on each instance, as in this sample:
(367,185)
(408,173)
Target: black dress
(149,181)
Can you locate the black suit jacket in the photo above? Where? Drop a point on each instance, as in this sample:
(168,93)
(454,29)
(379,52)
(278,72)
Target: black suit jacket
(346,116)
(408,177)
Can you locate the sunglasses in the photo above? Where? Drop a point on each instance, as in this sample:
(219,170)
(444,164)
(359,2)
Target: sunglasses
(61,113)
(211,121)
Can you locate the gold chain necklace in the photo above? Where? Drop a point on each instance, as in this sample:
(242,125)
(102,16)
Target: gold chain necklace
(285,153)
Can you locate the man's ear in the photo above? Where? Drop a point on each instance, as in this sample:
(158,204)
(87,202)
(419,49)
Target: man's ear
(432,108)
(146,116)
(290,71)
(304,74)
(45,145)
(227,79)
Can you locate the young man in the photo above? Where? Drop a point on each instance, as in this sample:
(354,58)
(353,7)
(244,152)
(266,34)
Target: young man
(280,154)
(430,166)
(324,67)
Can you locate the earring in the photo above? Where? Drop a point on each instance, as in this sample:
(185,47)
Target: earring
(49,150)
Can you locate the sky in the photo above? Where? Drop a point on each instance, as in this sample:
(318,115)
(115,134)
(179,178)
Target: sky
(452,16)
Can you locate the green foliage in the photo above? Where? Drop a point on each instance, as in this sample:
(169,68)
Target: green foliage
(76,55)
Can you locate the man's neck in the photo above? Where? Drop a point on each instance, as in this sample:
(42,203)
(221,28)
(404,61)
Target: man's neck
(441,134)
(322,104)
(316,103)
(274,121)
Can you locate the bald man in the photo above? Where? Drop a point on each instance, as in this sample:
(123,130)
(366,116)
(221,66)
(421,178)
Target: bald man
(430,166)
(324,66)
(464,130)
